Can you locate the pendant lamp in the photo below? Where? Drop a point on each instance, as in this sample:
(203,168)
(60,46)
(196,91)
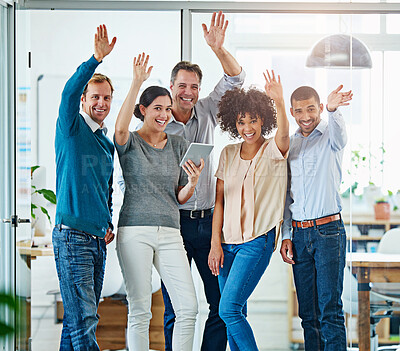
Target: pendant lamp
(334,51)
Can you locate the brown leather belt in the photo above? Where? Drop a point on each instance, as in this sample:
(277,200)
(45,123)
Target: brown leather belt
(318,221)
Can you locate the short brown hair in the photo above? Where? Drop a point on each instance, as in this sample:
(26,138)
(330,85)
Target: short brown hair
(186,66)
(98,78)
(238,102)
(304,93)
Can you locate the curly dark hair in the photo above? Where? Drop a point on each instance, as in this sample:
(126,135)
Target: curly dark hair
(238,102)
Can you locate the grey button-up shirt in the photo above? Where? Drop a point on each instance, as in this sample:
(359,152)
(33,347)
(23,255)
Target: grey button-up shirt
(200,129)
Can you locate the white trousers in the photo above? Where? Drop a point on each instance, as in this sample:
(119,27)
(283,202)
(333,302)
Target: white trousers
(138,248)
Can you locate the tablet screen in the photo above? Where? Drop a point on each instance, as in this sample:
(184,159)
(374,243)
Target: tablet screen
(197,151)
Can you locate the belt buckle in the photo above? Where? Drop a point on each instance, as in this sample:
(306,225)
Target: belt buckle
(302,224)
(201,214)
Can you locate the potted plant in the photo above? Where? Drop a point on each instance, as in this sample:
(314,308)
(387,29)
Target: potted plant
(36,208)
(382,209)
(394,199)
(7,300)
(367,169)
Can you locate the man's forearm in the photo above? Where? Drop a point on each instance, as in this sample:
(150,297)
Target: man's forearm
(229,64)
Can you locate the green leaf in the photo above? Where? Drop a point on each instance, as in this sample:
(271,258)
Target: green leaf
(33,169)
(346,194)
(8,300)
(33,206)
(5,329)
(46,213)
(48,195)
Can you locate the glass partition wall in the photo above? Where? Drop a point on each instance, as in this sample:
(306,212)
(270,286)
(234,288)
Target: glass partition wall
(284,42)
(259,40)
(6,245)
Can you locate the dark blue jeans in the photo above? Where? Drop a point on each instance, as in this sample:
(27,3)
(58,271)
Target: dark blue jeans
(196,235)
(319,254)
(80,261)
(244,265)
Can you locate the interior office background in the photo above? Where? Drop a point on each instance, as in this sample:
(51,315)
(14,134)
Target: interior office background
(50,44)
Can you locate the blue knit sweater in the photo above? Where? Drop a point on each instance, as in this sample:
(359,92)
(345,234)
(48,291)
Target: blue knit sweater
(84,162)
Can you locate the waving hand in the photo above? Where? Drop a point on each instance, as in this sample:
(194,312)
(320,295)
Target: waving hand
(273,87)
(102,47)
(215,35)
(336,98)
(140,71)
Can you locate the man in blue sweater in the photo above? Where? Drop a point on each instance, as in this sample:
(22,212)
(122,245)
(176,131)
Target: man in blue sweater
(84,160)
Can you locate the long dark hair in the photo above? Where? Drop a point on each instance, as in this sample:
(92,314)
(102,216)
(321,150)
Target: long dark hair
(148,96)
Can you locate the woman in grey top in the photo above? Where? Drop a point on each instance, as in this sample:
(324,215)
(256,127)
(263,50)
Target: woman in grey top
(148,227)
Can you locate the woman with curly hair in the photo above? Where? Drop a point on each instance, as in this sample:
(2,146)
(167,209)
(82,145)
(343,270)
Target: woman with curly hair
(250,197)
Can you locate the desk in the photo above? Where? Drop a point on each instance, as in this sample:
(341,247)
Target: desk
(371,267)
(369,219)
(34,252)
(29,253)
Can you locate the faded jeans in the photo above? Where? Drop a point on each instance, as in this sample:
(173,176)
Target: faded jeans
(80,261)
(244,265)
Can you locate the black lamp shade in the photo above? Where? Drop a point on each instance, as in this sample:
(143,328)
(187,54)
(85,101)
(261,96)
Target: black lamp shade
(334,52)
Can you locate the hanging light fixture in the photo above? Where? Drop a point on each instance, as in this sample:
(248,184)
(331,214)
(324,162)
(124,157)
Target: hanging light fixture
(333,51)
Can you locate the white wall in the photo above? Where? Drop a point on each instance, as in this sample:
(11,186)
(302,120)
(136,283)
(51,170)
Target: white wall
(62,40)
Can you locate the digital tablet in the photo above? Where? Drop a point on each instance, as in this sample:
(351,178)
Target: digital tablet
(197,151)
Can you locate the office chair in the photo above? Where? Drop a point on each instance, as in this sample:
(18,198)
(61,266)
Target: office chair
(389,244)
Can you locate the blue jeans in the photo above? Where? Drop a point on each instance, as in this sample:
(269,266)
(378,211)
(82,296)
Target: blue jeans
(244,265)
(196,234)
(319,253)
(80,261)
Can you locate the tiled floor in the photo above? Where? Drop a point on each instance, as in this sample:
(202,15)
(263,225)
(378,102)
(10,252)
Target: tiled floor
(270,328)
(46,333)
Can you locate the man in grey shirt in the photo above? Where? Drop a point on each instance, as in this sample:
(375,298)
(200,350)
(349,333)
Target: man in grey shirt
(195,120)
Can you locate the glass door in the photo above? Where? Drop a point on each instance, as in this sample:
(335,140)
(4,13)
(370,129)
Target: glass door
(6,244)
(15,231)
(22,129)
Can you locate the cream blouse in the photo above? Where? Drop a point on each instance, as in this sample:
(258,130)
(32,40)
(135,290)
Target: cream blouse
(254,192)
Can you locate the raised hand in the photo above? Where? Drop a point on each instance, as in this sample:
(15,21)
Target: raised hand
(273,87)
(336,99)
(215,35)
(140,71)
(102,47)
